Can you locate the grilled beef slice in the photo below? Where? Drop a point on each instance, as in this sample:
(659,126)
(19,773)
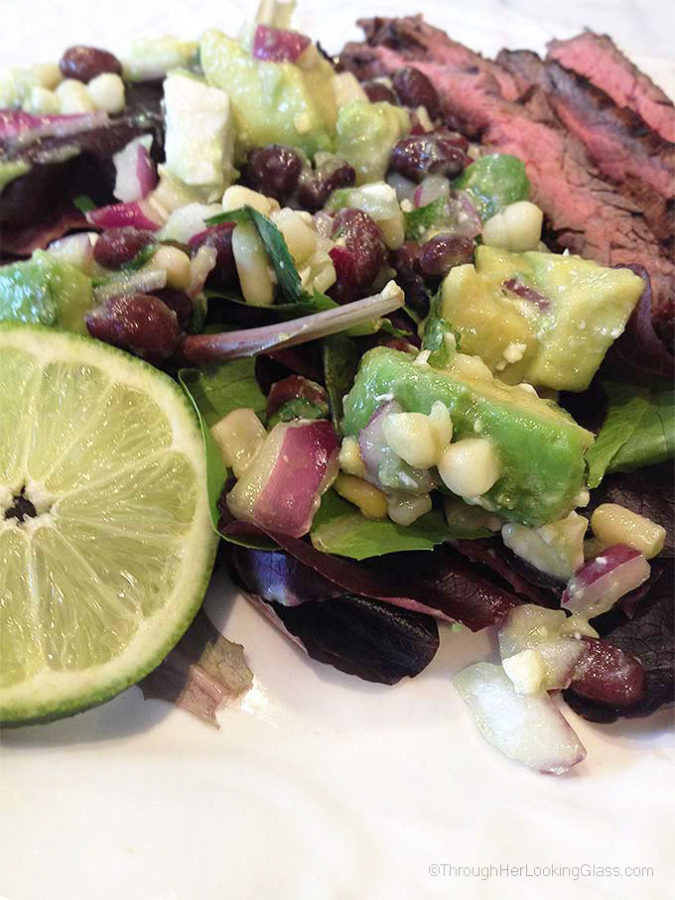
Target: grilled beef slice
(587,215)
(621,145)
(596,57)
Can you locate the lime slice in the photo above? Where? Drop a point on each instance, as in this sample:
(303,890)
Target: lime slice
(106,545)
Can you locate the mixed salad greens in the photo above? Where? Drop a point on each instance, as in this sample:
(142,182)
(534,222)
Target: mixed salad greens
(404,393)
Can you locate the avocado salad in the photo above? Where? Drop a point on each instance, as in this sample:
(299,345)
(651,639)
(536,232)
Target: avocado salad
(412,408)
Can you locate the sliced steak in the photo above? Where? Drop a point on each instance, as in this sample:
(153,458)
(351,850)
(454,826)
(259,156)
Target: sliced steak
(596,57)
(416,41)
(618,141)
(587,215)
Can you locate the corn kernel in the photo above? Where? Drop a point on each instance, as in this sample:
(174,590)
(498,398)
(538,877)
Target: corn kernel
(517,228)
(350,458)
(107,92)
(46,75)
(441,425)
(252,265)
(74,97)
(299,236)
(614,524)
(410,436)
(237,196)
(404,509)
(239,436)
(42,102)
(469,467)
(176,264)
(369,499)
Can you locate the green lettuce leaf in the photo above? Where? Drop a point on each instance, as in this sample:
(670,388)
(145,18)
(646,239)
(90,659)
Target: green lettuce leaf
(216,471)
(218,390)
(340,356)
(290,290)
(341,529)
(639,430)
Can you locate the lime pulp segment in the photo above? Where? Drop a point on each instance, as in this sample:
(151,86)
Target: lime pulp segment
(106,545)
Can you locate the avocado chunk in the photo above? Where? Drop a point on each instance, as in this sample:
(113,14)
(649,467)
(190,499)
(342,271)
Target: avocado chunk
(494,182)
(199,143)
(539,317)
(366,134)
(540,448)
(273,102)
(45,290)
(152,58)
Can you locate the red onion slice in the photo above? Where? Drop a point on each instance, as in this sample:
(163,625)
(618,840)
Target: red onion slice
(372,443)
(278,45)
(602,581)
(206,348)
(282,487)
(135,170)
(23,128)
(529,729)
(531,627)
(432,188)
(527,293)
(120,215)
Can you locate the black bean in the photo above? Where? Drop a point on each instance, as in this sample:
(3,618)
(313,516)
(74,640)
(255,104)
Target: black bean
(358,256)
(377,92)
(414,89)
(417,156)
(85,63)
(116,247)
(179,302)
(405,262)
(224,274)
(272,170)
(316,185)
(442,252)
(139,323)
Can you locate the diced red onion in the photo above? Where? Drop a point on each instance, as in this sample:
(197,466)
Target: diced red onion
(371,438)
(468,220)
(120,215)
(135,170)
(432,188)
(281,488)
(527,293)
(76,249)
(529,729)
(205,348)
(531,627)
(144,281)
(404,187)
(278,44)
(598,584)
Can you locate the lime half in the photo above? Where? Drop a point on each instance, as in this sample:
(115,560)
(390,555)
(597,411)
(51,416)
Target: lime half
(106,545)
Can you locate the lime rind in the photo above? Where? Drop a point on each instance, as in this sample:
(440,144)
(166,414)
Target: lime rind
(45,693)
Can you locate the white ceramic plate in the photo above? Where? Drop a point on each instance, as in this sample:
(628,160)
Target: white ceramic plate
(322,786)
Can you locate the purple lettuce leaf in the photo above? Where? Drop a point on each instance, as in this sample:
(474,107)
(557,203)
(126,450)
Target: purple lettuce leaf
(357,635)
(67,160)
(202,672)
(639,347)
(441,583)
